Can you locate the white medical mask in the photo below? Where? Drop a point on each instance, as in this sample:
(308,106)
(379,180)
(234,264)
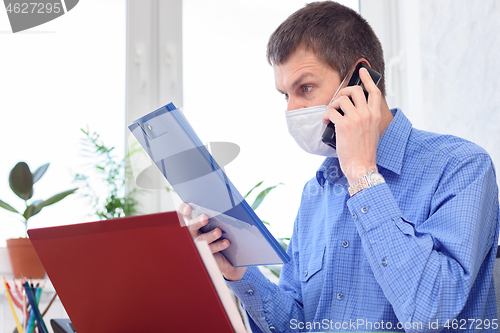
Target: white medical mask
(306,127)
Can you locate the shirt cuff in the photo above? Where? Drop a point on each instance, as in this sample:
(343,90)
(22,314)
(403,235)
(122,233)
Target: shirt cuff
(247,289)
(372,206)
(250,290)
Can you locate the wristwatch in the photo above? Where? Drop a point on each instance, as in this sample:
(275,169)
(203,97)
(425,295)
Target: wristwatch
(372,178)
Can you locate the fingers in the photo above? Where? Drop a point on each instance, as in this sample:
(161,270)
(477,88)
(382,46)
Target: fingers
(194,225)
(185,210)
(230,272)
(216,246)
(354,95)
(357,131)
(343,103)
(211,238)
(374,94)
(349,96)
(220,245)
(352,101)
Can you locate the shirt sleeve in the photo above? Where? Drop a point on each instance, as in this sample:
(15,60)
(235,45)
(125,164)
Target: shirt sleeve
(427,269)
(269,306)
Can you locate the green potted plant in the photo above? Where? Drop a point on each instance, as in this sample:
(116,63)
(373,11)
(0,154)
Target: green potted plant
(21,180)
(283,241)
(274,269)
(104,184)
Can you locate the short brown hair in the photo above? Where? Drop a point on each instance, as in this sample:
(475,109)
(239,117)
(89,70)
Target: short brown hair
(337,35)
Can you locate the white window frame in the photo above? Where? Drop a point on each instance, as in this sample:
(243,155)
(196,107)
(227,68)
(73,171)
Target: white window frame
(154,74)
(397,27)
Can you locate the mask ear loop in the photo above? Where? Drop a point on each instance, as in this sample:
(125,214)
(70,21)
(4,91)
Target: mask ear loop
(341,86)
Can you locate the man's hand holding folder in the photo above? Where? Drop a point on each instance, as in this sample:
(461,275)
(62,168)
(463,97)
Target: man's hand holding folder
(215,243)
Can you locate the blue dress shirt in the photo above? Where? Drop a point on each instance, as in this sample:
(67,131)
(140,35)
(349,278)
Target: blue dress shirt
(414,254)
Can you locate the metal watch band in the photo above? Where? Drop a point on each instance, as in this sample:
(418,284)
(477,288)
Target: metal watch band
(370,179)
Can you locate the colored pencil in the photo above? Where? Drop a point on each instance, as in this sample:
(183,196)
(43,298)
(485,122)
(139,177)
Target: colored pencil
(38,316)
(18,324)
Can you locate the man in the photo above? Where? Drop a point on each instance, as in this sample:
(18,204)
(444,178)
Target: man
(398,229)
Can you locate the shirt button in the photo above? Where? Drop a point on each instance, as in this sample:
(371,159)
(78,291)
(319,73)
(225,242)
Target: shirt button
(271,328)
(345,243)
(305,272)
(250,292)
(340,296)
(364,210)
(384,262)
(354,216)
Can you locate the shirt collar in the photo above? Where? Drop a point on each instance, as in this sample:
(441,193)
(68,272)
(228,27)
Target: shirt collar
(329,170)
(392,144)
(390,151)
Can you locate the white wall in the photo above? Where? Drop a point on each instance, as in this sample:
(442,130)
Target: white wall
(460,70)
(442,64)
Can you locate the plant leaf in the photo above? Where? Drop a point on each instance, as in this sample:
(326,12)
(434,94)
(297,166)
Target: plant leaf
(21,181)
(276,270)
(284,245)
(253,188)
(40,172)
(33,209)
(262,195)
(5,205)
(58,197)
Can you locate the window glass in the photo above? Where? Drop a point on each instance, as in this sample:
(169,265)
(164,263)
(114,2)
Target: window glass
(56,78)
(229,95)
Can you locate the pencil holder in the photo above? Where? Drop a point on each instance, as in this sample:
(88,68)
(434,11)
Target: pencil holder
(16,314)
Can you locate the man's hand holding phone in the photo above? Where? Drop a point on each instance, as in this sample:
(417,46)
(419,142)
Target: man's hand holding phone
(215,243)
(358,130)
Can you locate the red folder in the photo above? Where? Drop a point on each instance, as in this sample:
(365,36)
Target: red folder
(132,274)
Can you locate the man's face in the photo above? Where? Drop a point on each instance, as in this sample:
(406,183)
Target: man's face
(305,80)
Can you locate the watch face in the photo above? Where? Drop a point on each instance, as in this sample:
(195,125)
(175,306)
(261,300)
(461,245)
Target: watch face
(376,178)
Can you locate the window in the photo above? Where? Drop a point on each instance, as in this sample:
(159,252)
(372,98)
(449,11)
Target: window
(57,78)
(229,95)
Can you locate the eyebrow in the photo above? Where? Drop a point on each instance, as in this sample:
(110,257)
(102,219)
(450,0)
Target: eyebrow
(301,78)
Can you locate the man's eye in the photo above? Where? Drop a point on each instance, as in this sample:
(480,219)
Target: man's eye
(286,95)
(306,88)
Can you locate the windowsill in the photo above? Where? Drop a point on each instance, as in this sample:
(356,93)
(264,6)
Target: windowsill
(5,266)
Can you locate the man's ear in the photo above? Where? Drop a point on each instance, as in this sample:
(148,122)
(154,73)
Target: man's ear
(364,61)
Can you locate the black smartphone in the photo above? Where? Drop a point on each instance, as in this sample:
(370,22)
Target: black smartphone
(329,137)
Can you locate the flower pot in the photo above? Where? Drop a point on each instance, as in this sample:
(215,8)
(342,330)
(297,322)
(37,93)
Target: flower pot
(24,259)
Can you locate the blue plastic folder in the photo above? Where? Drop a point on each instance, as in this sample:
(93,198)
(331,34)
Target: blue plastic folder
(175,148)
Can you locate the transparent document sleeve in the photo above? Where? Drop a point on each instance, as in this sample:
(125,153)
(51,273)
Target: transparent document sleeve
(174,147)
